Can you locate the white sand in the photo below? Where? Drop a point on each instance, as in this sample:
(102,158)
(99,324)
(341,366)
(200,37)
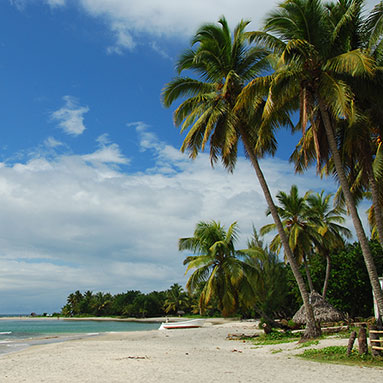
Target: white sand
(189,355)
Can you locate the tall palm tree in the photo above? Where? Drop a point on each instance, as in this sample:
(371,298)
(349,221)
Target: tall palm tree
(225,64)
(300,225)
(312,42)
(330,229)
(217,265)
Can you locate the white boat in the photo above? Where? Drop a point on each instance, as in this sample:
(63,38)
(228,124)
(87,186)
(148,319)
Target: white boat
(192,323)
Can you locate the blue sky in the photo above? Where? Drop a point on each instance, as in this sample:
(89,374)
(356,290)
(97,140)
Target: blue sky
(94,191)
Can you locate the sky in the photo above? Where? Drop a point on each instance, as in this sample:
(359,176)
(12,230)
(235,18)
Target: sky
(94,192)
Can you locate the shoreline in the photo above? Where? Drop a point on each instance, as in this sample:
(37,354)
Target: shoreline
(138,320)
(188,355)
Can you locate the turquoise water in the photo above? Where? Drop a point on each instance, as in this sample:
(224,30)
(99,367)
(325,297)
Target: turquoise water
(19,334)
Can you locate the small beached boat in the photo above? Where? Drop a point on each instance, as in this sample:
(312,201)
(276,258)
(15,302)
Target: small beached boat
(192,323)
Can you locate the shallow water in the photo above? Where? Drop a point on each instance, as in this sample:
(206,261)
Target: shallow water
(19,334)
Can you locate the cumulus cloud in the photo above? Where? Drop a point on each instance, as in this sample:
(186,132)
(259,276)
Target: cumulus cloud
(80,222)
(70,117)
(167,18)
(108,153)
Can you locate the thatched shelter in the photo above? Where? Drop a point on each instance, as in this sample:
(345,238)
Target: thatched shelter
(323,311)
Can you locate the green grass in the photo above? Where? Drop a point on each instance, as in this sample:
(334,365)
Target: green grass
(309,343)
(275,337)
(338,355)
(276,351)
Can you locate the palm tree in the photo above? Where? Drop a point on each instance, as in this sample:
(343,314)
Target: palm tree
(331,231)
(176,299)
(300,226)
(225,64)
(313,44)
(268,279)
(217,265)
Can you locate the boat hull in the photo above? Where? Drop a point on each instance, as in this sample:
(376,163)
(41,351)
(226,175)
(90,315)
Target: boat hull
(194,323)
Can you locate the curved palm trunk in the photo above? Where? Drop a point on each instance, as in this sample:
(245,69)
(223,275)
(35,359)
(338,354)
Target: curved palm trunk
(327,277)
(312,330)
(369,261)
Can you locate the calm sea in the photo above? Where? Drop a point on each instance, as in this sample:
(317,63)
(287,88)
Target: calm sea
(21,333)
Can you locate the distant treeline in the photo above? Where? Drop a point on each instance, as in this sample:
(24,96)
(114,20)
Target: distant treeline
(133,303)
(349,290)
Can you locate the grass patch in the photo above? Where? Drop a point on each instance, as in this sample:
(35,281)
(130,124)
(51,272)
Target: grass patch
(275,337)
(276,351)
(309,343)
(338,355)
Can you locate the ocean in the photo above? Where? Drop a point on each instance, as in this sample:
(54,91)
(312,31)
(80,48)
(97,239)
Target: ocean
(18,334)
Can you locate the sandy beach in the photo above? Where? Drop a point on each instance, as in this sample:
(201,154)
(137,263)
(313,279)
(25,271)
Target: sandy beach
(188,355)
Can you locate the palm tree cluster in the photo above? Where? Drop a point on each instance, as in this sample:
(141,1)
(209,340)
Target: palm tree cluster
(254,278)
(322,60)
(313,228)
(132,303)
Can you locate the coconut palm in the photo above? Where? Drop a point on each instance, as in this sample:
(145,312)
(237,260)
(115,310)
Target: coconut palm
(313,43)
(225,63)
(301,227)
(268,279)
(330,229)
(176,299)
(217,265)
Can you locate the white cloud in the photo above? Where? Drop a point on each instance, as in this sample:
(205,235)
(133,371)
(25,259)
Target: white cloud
(70,117)
(124,39)
(108,153)
(170,17)
(51,142)
(79,222)
(166,18)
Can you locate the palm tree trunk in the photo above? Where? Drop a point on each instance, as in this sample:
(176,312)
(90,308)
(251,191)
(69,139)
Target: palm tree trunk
(375,200)
(308,275)
(312,330)
(327,277)
(369,261)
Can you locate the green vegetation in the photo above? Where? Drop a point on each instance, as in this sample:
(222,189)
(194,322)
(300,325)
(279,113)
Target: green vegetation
(349,289)
(338,355)
(219,269)
(275,337)
(309,343)
(273,292)
(130,304)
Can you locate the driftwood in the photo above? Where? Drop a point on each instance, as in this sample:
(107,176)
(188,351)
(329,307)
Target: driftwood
(241,336)
(334,329)
(351,342)
(362,341)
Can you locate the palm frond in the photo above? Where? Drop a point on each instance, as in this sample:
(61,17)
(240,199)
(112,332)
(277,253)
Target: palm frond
(184,87)
(353,63)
